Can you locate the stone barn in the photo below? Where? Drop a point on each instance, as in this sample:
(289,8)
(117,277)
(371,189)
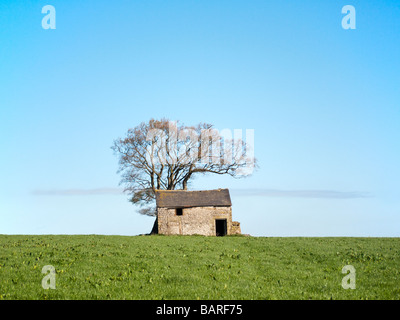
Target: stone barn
(207,212)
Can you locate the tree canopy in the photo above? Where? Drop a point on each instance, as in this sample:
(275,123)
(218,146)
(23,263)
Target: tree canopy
(167,155)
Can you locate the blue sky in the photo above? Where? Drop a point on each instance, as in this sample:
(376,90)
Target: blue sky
(324,104)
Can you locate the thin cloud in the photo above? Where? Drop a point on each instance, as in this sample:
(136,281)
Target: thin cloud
(271,193)
(79,192)
(319,194)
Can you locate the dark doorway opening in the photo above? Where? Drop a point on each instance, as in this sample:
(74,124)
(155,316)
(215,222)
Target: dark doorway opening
(179,211)
(220,227)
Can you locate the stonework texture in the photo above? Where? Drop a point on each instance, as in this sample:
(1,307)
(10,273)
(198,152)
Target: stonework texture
(235,229)
(195,220)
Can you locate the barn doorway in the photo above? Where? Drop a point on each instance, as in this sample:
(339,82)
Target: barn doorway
(220,227)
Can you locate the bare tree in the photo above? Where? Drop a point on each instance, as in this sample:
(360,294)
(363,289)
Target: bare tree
(162,154)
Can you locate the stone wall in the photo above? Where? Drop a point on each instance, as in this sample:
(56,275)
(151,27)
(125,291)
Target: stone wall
(196,220)
(235,228)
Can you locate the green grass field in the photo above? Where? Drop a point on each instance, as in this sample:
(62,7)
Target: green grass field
(197,267)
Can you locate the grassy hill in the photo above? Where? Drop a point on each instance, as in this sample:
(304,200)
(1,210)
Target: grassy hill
(197,267)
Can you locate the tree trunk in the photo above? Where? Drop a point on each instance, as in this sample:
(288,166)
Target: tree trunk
(154,230)
(185,182)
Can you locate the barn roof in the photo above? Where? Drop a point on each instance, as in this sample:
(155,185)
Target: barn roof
(185,199)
